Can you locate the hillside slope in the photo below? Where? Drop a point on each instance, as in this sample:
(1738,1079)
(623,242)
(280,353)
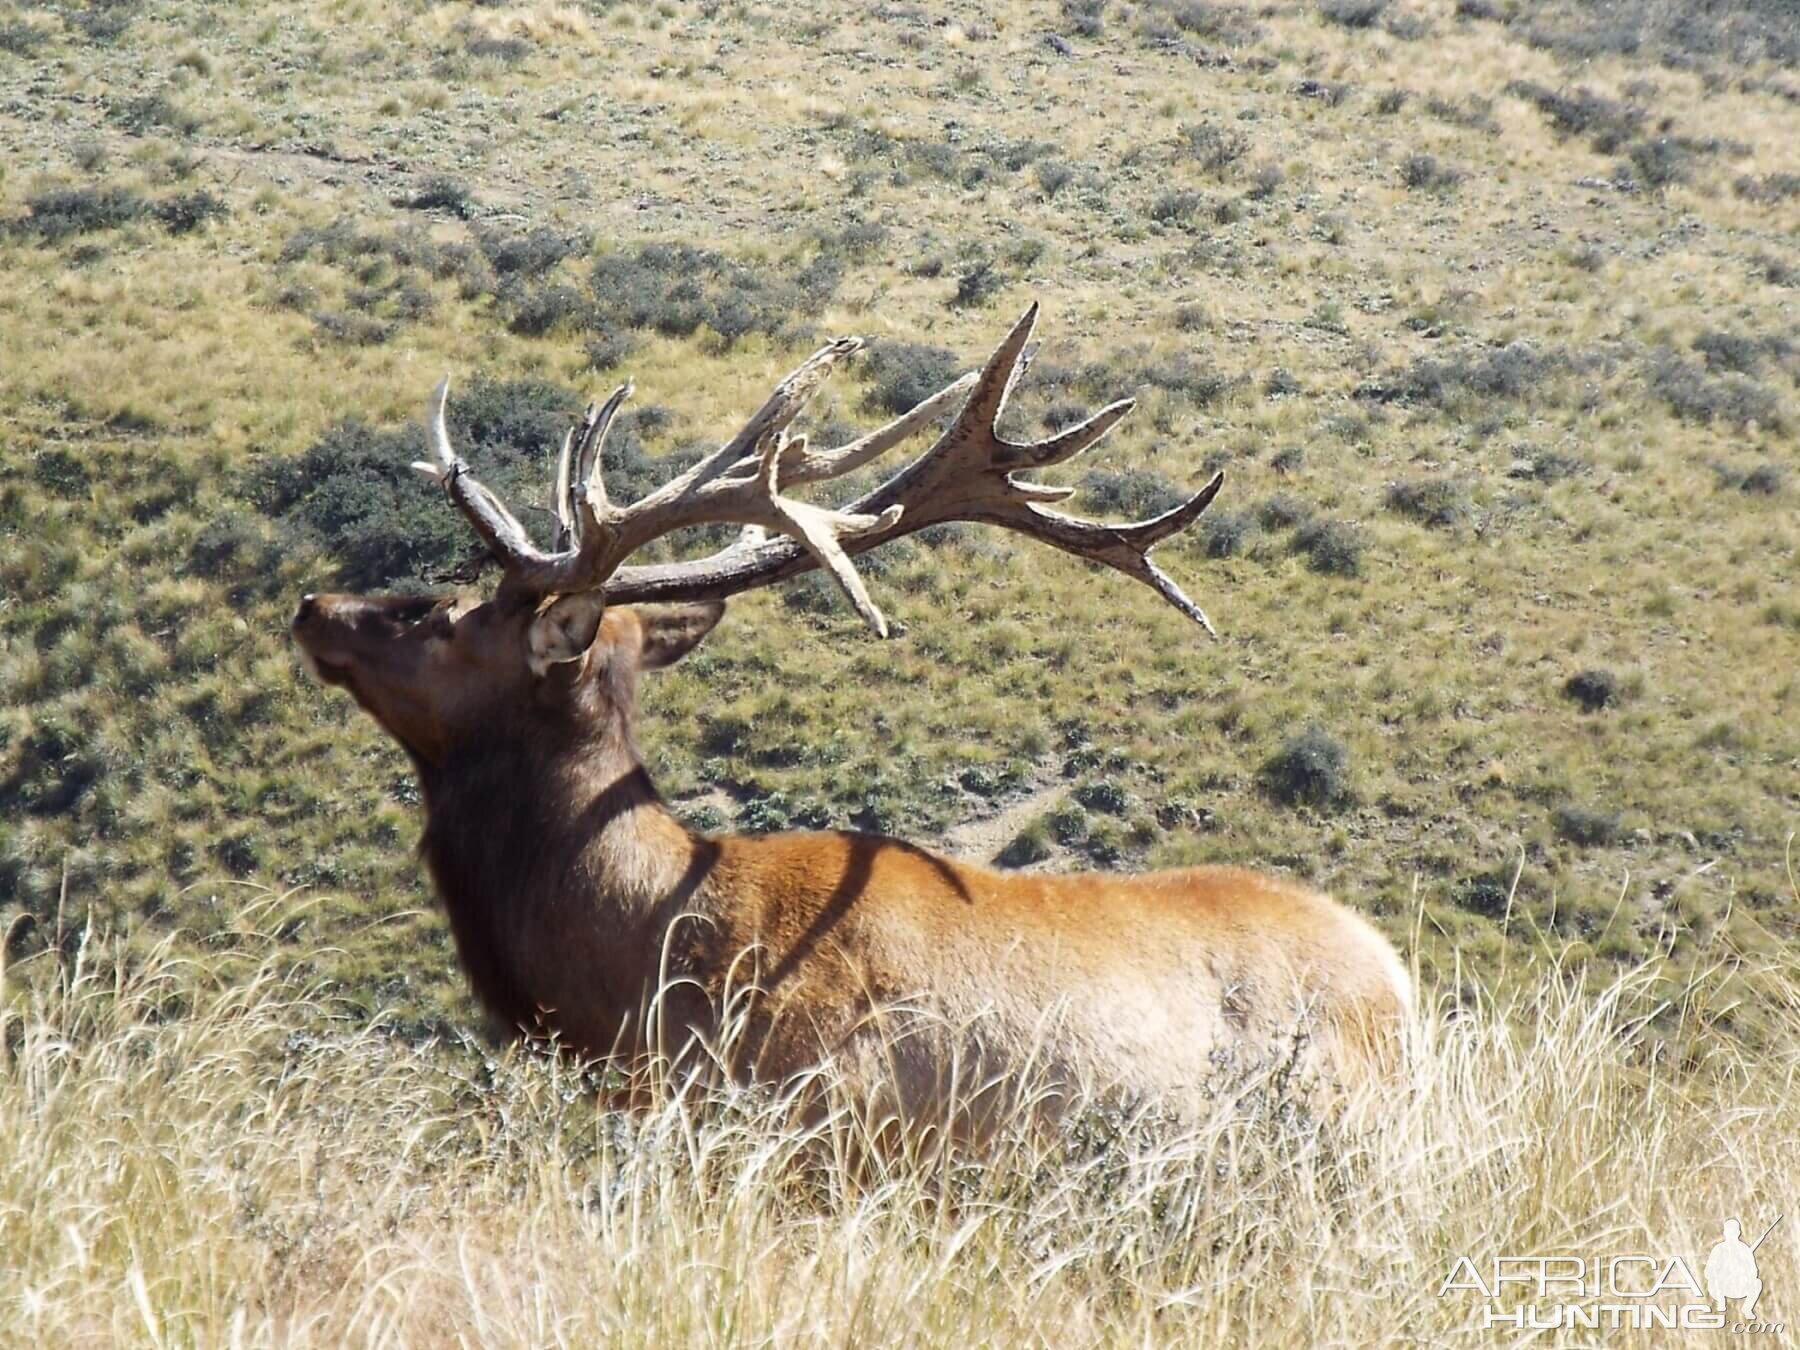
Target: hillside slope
(1487,312)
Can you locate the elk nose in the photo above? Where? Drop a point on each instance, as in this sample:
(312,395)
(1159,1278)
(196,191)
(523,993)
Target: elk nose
(309,605)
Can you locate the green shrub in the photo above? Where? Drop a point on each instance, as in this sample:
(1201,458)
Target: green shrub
(1030,845)
(1225,534)
(1442,502)
(58,214)
(351,494)
(1311,769)
(1332,547)
(1428,173)
(1593,689)
(677,289)
(1585,826)
(442,193)
(1133,494)
(189,211)
(1352,13)
(905,374)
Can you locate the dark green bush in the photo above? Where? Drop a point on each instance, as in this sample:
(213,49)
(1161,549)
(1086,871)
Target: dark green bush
(21,38)
(351,494)
(1068,824)
(1225,534)
(978,284)
(1283,510)
(65,474)
(1030,845)
(188,211)
(1593,689)
(1696,396)
(442,193)
(1442,502)
(56,215)
(1215,148)
(1175,206)
(528,255)
(676,289)
(1311,769)
(905,374)
(1585,826)
(1332,547)
(1054,175)
(1428,173)
(534,311)
(1659,161)
(1133,494)
(1103,795)
(1607,123)
(1352,13)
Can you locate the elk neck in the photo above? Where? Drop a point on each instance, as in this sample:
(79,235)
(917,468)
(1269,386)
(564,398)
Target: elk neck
(528,816)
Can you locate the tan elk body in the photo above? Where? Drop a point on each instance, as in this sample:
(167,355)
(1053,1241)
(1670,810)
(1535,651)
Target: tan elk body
(577,899)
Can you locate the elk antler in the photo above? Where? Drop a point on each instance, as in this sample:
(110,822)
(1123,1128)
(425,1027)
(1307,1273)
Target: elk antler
(967,474)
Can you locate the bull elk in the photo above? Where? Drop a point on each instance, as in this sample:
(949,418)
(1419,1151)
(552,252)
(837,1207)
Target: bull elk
(577,899)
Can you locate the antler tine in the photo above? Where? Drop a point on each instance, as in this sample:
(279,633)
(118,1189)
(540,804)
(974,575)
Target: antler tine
(589,507)
(779,409)
(995,383)
(559,492)
(1126,548)
(497,526)
(810,468)
(819,529)
(968,473)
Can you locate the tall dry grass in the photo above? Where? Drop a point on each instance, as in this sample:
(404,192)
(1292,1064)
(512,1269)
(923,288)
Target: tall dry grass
(209,1153)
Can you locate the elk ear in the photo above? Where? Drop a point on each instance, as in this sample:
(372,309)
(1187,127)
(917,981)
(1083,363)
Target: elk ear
(564,629)
(672,631)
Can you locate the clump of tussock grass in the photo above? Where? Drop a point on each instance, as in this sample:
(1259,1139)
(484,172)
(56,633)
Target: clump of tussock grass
(201,1150)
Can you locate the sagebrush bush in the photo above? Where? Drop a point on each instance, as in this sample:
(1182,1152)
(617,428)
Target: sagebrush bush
(1429,173)
(1695,396)
(1212,146)
(905,374)
(1438,501)
(1658,162)
(1311,769)
(1030,845)
(1128,493)
(1585,826)
(1333,547)
(978,284)
(1353,13)
(1282,511)
(1225,534)
(351,494)
(531,254)
(21,38)
(677,289)
(1593,689)
(187,212)
(1168,22)
(1516,371)
(1053,175)
(58,214)
(1607,123)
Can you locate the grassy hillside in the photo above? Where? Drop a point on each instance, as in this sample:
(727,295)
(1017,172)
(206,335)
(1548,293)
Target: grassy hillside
(1488,311)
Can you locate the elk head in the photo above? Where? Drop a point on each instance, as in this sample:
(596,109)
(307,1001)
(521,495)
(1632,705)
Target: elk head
(561,642)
